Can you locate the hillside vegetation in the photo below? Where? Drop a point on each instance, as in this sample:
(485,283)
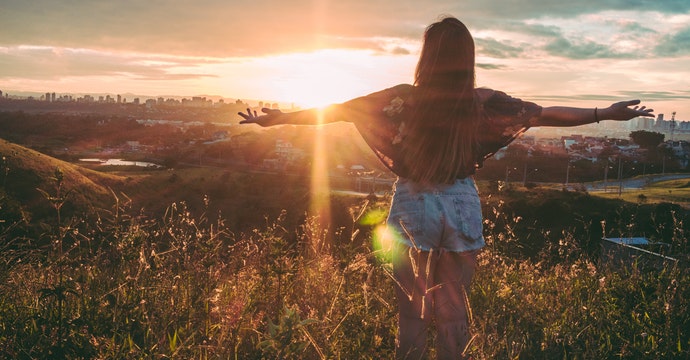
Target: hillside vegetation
(23,171)
(669,191)
(203,263)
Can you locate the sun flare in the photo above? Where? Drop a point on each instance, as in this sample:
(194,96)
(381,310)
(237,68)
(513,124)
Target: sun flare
(320,205)
(323,77)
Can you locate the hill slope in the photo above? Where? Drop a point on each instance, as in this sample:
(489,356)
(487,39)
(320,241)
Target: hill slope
(23,171)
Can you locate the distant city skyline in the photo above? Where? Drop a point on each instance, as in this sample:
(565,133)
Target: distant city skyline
(586,53)
(671,126)
(116,98)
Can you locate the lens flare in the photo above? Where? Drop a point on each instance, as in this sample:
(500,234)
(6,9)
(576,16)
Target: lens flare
(383,239)
(320,204)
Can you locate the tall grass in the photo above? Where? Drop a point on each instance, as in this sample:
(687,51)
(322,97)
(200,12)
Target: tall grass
(120,285)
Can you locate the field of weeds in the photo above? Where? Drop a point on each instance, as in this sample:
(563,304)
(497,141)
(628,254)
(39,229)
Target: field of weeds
(186,286)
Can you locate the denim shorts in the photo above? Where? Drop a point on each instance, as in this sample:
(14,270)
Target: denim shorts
(437,217)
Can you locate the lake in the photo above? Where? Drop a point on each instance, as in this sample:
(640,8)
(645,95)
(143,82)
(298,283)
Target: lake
(120,162)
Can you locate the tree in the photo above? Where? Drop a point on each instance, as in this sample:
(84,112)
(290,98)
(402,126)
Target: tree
(647,139)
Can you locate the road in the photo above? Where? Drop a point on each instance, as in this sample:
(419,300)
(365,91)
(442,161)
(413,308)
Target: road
(634,183)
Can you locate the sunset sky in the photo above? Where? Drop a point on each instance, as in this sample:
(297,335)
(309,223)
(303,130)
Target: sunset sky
(312,52)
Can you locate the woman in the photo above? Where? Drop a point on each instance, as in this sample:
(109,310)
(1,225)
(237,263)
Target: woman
(434,135)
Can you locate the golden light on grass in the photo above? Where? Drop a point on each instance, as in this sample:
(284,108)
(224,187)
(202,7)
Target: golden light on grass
(383,239)
(382,236)
(320,205)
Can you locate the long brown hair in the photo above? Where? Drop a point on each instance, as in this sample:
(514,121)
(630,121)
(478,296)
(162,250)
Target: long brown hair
(440,134)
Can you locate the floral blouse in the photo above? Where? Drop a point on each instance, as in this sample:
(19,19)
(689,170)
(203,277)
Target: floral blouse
(379,118)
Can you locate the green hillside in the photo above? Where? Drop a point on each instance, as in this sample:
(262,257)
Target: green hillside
(242,198)
(23,171)
(226,273)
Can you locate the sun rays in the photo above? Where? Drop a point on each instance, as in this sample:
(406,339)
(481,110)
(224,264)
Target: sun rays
(320,205)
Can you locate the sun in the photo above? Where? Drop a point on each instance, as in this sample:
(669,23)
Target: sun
(321,78)
(307,79)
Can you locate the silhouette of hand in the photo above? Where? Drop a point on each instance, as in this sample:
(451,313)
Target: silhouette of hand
(268,119)
(623,111)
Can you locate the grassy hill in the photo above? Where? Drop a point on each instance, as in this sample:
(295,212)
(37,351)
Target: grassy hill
(191,286)
(243,199)
(669,191)
(537,218)
(23,171)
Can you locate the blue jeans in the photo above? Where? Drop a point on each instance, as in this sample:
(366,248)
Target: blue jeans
(447,216)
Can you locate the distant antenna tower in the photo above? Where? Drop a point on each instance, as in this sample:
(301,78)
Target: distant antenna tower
(673,124)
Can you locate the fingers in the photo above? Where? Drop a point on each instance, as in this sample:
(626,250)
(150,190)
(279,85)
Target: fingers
(246,117)
(644,111)
(270,111)
(647,112)
(249,117)
(634,103)
(626,103)
(252,117)
(642,108)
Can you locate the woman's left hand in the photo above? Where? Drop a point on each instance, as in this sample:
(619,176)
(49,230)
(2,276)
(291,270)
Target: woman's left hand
(623,111)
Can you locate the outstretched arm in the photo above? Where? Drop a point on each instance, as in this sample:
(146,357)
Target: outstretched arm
(362,109)
(272,117)
(351,110)
(570,116)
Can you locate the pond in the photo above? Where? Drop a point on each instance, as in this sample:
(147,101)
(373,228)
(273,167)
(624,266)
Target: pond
(120,162)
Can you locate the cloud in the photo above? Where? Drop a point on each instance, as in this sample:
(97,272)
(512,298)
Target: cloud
(657,95)
(400,51)
(487,66)
(583,50)
(52,63)
(610,35)
(646,96)
(521,9)
(203,28)
(536,29)
(497,49)
(637,28)
(675,45)
(220,28)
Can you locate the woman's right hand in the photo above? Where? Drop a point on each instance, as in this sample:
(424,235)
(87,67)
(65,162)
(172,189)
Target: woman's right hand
(269,118)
